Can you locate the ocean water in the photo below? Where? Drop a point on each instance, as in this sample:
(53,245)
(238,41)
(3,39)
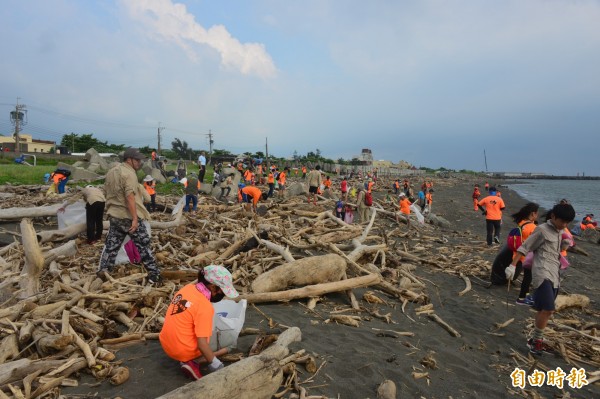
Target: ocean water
(584,195)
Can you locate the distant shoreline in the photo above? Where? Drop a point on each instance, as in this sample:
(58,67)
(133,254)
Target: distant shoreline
(547,177)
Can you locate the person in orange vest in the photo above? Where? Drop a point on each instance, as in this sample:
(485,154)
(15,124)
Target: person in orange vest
(487,186)
(303,171)
(271,183)
(588,222)
(491,207)
(149,185)
(476,195)
(248,176)
(60,177)
(251,195)
(370,185)
(404,204)
(327,183)
(259,169)
(428,201)
(397,186)
(281,180)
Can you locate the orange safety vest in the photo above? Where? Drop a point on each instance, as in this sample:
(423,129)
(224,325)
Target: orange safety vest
(149,186)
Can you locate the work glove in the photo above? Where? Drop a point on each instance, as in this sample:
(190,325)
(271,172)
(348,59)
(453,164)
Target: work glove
(510,272)
(215,365)
(484,213)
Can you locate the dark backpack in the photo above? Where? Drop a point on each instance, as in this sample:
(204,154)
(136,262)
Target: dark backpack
(515,237)
(64,172)
(368,199)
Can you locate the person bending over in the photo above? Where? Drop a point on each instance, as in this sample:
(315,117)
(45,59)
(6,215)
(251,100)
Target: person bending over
(188,325)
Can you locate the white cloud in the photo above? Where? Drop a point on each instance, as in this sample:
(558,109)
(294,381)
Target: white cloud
(171,21)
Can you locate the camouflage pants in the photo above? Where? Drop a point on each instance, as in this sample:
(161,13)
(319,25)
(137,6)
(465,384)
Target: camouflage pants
(114,240)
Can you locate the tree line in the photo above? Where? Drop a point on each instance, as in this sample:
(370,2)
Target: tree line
(180,149)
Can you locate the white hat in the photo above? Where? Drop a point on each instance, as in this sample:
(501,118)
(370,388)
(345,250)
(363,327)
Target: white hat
(148,178)
(402,195)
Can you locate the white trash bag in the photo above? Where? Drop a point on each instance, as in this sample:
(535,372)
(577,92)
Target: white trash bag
(417,213)
(73,214)
(227,323)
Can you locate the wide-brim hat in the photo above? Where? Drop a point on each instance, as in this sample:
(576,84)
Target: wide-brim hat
(220,276)
(148,178)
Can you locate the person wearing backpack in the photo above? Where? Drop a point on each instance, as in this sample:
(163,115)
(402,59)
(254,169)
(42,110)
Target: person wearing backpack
(491,207)
(525,219)
(60,177)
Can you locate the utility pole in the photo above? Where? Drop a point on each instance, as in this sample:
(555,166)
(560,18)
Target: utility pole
(17,117)
(210,145)
(485,160)
(267,153)
(159,130)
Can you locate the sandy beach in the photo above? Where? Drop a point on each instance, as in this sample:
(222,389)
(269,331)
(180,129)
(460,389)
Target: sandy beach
(432,363)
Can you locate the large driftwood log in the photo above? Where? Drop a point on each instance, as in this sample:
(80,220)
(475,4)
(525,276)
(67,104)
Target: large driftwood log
(177,220)
(20,213)
(61,234)
(570,301)
(19,369)
(307,271)
(255,377)
(34,260)
(9,348)
(314,290)
(67,249)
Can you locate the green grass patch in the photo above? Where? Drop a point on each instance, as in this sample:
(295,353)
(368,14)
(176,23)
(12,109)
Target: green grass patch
(22,174)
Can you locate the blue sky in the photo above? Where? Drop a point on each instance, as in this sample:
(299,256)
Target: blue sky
(430,82)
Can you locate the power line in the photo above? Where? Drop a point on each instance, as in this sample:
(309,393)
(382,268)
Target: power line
(88,120)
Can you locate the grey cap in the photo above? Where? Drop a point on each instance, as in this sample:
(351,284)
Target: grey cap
(133,153)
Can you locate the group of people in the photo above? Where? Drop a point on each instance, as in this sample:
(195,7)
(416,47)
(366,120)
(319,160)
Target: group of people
(538,251)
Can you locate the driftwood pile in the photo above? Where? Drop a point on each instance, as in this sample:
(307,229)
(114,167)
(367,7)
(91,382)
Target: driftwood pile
(57,318)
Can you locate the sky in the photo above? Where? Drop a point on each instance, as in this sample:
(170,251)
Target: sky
(435,83)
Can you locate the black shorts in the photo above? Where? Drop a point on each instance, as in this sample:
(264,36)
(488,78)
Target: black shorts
(313,189)
(544,296)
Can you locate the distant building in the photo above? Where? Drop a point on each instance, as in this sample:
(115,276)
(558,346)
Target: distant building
(366,156)
(28,143)
(517,174)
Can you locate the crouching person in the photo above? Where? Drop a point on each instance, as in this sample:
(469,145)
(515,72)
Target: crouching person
(189,321)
